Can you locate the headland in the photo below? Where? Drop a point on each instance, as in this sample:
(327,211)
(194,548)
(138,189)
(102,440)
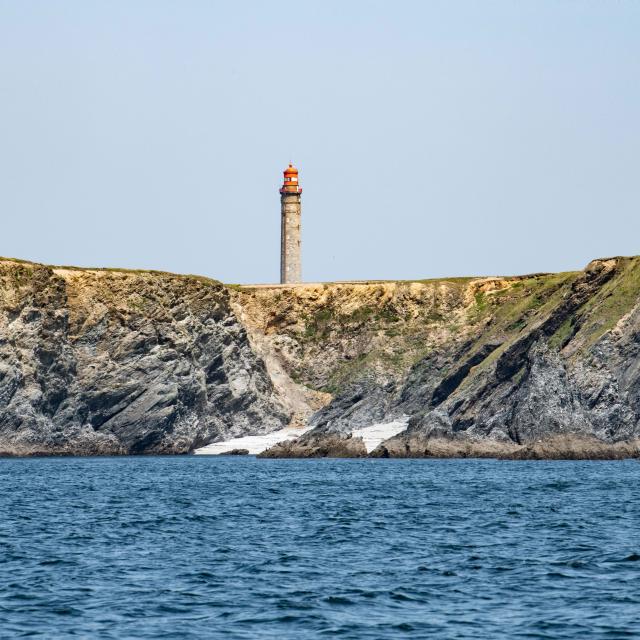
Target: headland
(116,362)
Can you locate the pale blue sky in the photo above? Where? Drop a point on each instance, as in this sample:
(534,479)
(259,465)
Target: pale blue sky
(433,138)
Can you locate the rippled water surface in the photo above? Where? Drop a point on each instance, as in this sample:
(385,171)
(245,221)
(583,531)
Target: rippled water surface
(197,547)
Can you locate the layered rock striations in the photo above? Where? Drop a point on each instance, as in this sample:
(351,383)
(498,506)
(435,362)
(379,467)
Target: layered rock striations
(117,362)
(505,367)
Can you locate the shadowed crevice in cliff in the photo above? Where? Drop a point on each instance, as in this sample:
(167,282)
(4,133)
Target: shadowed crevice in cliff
(453,380)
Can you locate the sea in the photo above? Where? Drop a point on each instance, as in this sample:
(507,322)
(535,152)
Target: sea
(244,548)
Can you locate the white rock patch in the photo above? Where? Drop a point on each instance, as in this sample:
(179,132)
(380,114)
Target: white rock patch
(372,437)
(377,433)
(253,444)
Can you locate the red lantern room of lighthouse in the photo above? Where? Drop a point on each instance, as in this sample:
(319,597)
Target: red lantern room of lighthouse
(290,184)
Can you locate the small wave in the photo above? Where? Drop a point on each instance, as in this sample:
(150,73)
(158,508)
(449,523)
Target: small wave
(342,600)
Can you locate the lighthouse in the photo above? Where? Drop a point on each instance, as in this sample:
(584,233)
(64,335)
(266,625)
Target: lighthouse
(290,211)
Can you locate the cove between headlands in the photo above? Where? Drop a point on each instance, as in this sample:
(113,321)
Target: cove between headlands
(120,362)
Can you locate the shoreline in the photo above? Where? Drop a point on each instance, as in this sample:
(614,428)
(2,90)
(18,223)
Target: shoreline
(380,441)
(49,456)
(568,447)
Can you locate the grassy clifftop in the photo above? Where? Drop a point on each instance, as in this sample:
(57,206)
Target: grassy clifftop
(329,334)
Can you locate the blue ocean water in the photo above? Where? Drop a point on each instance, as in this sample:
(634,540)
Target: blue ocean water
(197,547)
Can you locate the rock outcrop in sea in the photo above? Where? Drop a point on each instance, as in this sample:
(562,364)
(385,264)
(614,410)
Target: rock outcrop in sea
(114,362)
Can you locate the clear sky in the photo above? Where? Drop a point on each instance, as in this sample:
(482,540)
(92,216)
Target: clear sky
(433,138)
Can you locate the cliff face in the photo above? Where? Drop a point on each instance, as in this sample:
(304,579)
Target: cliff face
(570,368)
(356,342)
(500,362)
(99,361)
(110,362)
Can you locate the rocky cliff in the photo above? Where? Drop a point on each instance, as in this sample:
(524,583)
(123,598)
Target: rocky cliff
(110,361)
(493,366)
(120,362)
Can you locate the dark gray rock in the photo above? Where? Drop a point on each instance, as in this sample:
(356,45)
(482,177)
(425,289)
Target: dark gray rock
(98,362)
(324,445)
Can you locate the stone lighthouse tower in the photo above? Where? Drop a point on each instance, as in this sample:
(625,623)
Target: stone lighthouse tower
(290,208)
